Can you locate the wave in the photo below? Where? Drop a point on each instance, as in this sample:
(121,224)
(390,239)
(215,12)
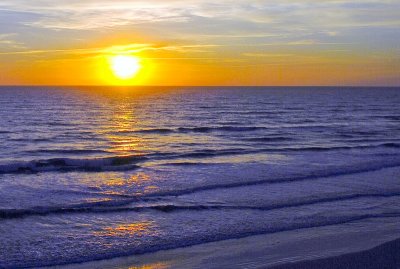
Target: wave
(69,151)
(391,145)
(153,131)
(112,206)
(36,140)
(214,153)
(268,139)
(319,148)
(208,129)
(112,163)
(223,128)
(115,163)
(193,130)
(242,151)
(358,133)
(387,117)
(59,123)
(129,162)
(337,171)
(366,140)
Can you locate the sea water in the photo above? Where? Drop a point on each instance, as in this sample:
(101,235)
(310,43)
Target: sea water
(90,173)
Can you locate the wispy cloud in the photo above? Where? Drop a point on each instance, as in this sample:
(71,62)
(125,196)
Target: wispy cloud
(91,14)
(267,55)
(8,41)
(111,50)
(231,22)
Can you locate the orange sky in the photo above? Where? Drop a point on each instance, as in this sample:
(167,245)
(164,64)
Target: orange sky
(197,42)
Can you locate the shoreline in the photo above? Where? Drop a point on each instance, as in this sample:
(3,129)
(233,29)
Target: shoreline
(298,249)
(386,255)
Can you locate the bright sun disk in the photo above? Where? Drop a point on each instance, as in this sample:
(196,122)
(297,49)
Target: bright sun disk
(125,66)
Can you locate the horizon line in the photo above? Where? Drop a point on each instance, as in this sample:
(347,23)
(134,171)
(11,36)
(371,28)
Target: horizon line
(194,86)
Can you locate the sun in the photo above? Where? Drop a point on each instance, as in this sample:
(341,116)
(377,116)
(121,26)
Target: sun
(125,66)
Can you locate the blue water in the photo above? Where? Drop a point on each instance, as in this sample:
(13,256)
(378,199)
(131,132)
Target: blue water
(96,173)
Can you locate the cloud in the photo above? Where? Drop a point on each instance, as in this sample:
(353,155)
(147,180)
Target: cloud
(7,41)
(231,23)
(90,14)
(267,55)
(111,50)
(93,14)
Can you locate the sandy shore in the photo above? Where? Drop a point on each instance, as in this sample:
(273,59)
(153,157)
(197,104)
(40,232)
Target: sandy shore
(361,244)
(383,256)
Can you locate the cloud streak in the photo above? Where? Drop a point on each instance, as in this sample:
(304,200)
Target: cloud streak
(89,14)
(7,41)
(112,50)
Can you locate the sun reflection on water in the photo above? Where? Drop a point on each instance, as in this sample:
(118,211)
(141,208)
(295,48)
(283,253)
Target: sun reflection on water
(119,130)
(128,229)
(159,265)
(116,184)
(135,180)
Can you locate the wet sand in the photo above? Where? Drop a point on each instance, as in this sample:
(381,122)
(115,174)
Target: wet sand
(367,244)
(385,256)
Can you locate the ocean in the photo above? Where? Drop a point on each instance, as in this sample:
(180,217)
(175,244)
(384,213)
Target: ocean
(92,173)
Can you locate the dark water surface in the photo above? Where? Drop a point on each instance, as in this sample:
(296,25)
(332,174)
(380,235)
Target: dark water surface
(94,173)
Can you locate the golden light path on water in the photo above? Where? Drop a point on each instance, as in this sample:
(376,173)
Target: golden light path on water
(128,229)
(117,129)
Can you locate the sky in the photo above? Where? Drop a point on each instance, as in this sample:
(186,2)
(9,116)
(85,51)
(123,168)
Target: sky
(201,42)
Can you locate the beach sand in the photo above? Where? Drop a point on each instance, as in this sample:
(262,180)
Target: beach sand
(385,256)
(367,244)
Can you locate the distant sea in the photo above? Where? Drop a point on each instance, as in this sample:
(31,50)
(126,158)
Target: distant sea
(90,173)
